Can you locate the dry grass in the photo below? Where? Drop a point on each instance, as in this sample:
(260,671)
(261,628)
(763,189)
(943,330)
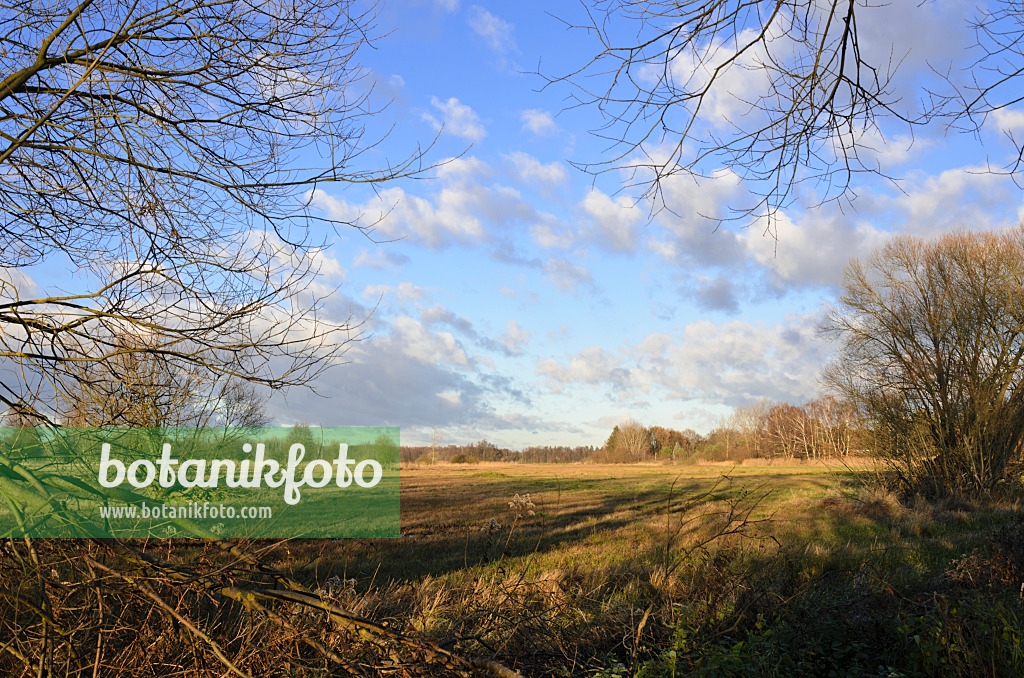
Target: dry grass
(613,563)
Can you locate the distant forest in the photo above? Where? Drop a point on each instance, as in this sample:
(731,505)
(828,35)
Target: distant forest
(822,428)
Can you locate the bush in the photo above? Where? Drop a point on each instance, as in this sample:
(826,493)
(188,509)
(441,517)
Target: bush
(464,459)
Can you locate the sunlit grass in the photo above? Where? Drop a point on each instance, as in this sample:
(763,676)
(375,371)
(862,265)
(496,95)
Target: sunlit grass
(649,550)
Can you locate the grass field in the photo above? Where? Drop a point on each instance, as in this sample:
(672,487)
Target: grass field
(670,570)
(580,570)
(582,512)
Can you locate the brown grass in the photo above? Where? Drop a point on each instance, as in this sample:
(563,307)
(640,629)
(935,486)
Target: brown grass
(614,558)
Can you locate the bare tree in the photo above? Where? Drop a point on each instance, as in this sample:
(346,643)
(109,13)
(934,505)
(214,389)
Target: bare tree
(931,348)
(783,426)
(138,388)
(749,421)
(776,92)
(239,405)
(833,421)
(160,157)
(630,442)
(634,442)
(132,388)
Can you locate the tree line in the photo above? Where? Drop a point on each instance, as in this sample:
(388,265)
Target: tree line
(484,450)
(824,428)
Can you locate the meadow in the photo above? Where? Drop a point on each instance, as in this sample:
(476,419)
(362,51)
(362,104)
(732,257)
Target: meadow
(717,569)
(645,570)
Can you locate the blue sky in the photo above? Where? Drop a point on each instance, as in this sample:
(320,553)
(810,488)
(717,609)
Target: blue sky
(523,301)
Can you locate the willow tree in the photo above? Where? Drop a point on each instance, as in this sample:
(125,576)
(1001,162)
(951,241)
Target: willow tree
(157,159)
(931,348)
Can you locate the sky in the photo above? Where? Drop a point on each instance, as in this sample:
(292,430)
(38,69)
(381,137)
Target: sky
(512,297)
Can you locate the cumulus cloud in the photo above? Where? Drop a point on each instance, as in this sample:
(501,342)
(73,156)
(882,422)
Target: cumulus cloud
(434,224)
(426,346)
(904,59)
(397,377)
(457,119)
(463,210)
(941,34)
(610,222)
(451,397)
(16,284)
(464,169)
(812,246)
(1006,120)
(875,149)
(549,238)
(717,294)
(811,249)
(529,169)
(419,373)
(966,197)
(692,236)
(538,121)
(592,365)
(496,32)
(733,363)
(510,343)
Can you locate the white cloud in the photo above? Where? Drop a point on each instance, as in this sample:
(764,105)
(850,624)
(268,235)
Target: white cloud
(468,168)
(315,260)
(435,223)
(566,275)
(451,397)
(16,284)
(404,292)
(736,86)
(717,294)
(538,121)
(495,31)
(405,374)
(545,236)
(887,153)
(447,5)
(610,222)
(940,36)
(592,365)
(457,119)
(733,362)
(531,170)
(965,197)
(463,210)
(811,248)
(1007,120)
(426,346)
(692,236)
(515,338)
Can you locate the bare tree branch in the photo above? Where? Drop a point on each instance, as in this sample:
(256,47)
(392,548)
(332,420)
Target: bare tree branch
(165,154)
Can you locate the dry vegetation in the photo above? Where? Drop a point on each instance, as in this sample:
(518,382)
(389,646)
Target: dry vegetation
(645,570)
